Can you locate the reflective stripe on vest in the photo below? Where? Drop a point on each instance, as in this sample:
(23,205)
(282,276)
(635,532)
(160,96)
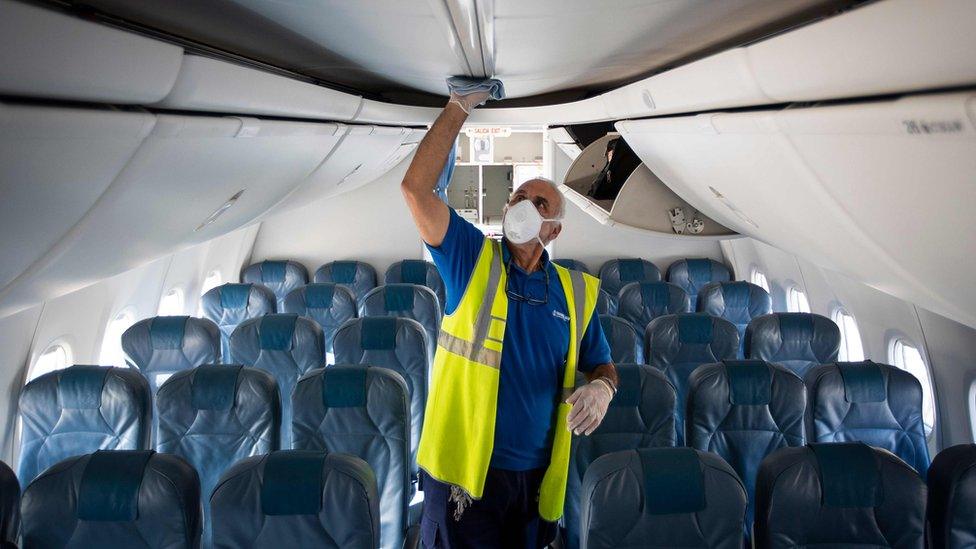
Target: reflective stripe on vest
(459,423)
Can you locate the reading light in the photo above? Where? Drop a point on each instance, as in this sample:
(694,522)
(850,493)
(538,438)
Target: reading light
(219,211)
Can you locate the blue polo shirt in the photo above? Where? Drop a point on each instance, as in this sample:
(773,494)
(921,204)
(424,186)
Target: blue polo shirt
(534,350)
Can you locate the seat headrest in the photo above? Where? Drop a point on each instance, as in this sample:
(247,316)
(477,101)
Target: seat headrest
(617,273)
(798,341)
(110,485)
(750,382)
(694,274)
(863,381)
(344,272)
(572,264)
(166,332)
(319,296)
(80,387)
(849,474)
(629,387)
(292,483)
(694,328)
(605,303)
(626,345)
(214,387)
(378,333)
(399,297)
(234,296)
(276,331)
(673,480)
(344,386)
(413,271)
(357,276)
(737,301)
(642,302)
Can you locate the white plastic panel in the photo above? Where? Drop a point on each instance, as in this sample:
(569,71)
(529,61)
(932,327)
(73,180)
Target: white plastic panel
(388,113)
(48,54)
(206,84)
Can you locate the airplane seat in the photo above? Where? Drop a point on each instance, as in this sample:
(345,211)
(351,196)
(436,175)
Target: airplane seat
(79,410)
(160,346)
(743,410)
(838,495)
(416,271)
(285,345)
(617,273)
(356,276)
(281,277)
(327,304)
(114,498)
(641,415)
(572,264)
(397,344)
(642,302)
(677,344)
(297,498)
(362,411)
(606,304)
(798,341)
(228,305)
(626,346)
(738,302)
(662,497)
(691,275)
(952,498)
(406,301)
(215,415)
(9,507)
(876,404)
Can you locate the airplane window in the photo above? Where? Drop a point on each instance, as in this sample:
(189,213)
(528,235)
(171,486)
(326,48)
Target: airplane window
(212,281)
(851,348)
(171,303)
(906,356)
(796,301)
(55,357)
(112,354)
(759,279)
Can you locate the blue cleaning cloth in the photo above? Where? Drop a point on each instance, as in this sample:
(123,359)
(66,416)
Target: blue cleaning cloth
(463,85)
(445,178)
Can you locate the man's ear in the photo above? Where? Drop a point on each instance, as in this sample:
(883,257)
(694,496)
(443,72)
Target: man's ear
(555,232)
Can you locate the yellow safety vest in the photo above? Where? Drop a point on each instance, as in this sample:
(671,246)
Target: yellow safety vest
(459,423)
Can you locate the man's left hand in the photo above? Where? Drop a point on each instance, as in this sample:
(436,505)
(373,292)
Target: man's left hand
(590,404)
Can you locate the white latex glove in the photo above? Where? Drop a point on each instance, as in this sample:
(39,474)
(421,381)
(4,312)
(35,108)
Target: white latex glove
(470,101)
(590,404)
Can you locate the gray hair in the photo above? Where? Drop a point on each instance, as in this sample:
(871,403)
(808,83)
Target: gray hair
(561,212)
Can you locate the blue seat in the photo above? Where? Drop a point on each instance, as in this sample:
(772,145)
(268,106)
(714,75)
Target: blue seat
(626,346)
(641,415)
(662,497)
(9,507)
(877,404)
(677,344)
(397,344)
(214,416)
(163,345)
(406,301)
(606,304)
(952,498)
(743,410)
(416,271)
(364,412)
(281,277)
(230,304)
(114,498)
(694,274)
(617,273)
(355,276)
(798,341)
(839,495)
(79,410)
(328,304)
(287,346)
(738,302)
(572,264)
(641,302)
(295,498)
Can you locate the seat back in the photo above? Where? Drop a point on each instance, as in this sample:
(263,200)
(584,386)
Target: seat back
(416,271)
(281,277)
(406,301)
(398,344)
(738,302)
(641,415)
(677,344)
(356,276)
(605,303)
(798,341)
(79,410)
(877,404)
(662,497)
(163,345)
(115,498)
(230,304)
(617,273)
(364,412)
(641,302)
(295,498)
(839,495)
(285,345)
(327,304)
(952,497)
(214,416)
(743,410)
(691,275)
(572,264)
(626,346)
(9,506)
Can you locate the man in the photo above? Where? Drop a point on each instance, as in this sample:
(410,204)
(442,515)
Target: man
(495,445)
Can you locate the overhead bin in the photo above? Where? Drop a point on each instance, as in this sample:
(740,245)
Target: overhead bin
(644,202)
(48,54)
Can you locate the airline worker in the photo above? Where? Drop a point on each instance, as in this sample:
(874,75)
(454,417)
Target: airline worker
(503,403)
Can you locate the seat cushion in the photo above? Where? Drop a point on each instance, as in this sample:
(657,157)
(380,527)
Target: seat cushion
(572,264)
(605,303)
(626,345)
(415,271)
(9,506)
(952,497)
(327,304)
(641,302)
(693,274)
(281,277)
(230,304)
(738,302)
(356,276)
(163,345)
(407,301)
(798,341)
(617,273)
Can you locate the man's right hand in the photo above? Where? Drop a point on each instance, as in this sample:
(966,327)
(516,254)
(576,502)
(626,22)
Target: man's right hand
(470,101)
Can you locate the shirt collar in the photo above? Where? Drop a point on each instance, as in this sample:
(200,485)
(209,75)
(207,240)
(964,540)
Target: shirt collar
(507,256)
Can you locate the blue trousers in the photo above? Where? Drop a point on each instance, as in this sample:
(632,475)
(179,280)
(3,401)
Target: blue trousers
(506,517)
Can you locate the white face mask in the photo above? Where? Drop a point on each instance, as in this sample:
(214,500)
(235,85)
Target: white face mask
(522,223)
